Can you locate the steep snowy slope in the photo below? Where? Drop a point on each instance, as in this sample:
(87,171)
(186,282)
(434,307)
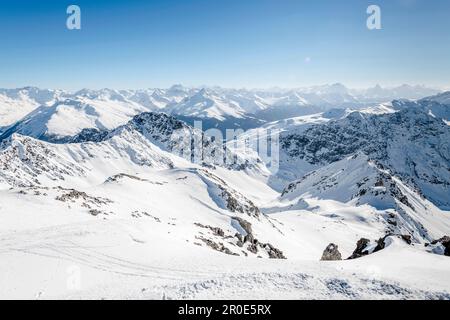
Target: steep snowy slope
(207,104)
(358,181)
(410,144)
(380,94)
(69,117)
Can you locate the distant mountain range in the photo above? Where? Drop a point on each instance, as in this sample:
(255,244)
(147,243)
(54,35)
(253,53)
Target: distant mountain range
(45,113)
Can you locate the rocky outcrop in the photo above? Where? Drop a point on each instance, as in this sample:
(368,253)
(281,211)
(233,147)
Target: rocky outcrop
(394,141)
(120,176)
(407,238)
(253,244)
(216,230)
(331,253)
(360,249)
(230,198)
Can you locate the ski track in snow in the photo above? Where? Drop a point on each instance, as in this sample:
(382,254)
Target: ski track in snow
(138,280)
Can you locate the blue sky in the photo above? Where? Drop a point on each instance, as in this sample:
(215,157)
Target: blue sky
(245,43)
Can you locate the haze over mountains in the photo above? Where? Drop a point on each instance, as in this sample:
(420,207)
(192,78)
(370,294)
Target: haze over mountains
(120,185)
(44,112)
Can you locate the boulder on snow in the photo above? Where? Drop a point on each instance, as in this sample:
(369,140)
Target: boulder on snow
(406,238)
(360,249)
(331,253)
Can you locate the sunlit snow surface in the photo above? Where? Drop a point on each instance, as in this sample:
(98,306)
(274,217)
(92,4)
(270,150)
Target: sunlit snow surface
(124,217)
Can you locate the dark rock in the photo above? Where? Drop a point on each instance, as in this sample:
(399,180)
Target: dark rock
(218,246)
(360,248)
(216,230)
(406,238)
(252,248)
(444,239)
(331,253)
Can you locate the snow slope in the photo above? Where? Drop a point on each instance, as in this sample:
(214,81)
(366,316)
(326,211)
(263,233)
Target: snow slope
(127,237)
(410,143)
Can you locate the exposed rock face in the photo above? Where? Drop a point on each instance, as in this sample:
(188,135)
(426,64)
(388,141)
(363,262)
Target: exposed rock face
(217,246)
(379,137)
(360,249)
(406,238)
(216,230)
(331,253)
(252,248)
(118,177)
(72,195)
(87,135)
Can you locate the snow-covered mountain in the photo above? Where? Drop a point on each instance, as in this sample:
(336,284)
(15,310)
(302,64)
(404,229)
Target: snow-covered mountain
(217,107)
(404,91)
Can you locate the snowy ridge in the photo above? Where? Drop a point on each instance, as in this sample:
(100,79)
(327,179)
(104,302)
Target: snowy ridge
(410,144)
(86,108)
